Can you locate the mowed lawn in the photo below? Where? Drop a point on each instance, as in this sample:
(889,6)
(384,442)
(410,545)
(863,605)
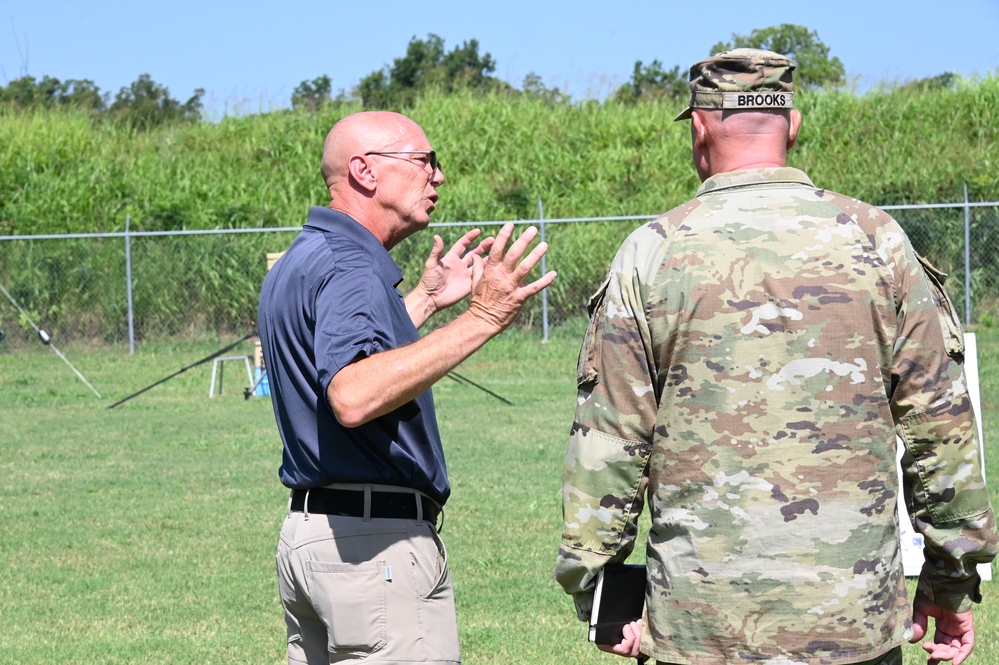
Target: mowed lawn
(146,533)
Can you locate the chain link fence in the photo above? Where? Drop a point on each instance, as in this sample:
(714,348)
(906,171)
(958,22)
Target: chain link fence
(124,288)
(962,241)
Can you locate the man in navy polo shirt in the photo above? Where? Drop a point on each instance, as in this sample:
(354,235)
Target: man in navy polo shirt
(362,571)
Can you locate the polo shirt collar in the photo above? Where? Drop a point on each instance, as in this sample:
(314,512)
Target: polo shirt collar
(342,224)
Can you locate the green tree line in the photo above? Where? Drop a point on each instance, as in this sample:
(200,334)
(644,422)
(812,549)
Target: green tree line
(427,64)
(142,105)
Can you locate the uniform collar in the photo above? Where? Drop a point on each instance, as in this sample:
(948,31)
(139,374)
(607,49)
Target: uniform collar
(785,175)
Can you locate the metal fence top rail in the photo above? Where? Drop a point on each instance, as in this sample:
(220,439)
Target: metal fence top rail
(539,220)
(288,229)
(140,234)
(927,206)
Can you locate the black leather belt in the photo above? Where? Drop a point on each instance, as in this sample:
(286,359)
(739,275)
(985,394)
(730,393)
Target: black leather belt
(350,503)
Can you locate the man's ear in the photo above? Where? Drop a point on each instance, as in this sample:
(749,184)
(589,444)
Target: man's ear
(698,129)
(793,127)
(361,173)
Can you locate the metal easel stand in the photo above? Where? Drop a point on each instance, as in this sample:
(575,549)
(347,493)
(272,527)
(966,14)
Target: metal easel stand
(218,370)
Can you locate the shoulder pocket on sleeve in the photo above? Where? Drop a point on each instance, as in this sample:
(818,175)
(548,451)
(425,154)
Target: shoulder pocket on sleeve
(949,320)
(586,368)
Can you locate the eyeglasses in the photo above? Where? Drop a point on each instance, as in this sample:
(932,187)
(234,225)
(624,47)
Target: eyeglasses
(430,154)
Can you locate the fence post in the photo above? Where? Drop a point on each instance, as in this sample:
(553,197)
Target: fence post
(967,258)
(544,271)
(128,285)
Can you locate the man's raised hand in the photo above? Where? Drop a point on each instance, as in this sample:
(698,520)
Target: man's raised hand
(498,289)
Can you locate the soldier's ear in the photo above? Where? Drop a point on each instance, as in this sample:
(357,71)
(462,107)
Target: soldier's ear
(794,126)
(698,129)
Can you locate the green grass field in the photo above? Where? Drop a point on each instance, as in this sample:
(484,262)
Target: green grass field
(147,533)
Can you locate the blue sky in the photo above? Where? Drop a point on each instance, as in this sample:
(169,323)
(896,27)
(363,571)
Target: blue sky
(249,56)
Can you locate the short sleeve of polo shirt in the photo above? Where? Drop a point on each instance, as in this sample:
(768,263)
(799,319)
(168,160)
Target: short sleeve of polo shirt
(353,313)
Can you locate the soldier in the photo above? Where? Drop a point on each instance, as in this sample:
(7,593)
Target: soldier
(750,359)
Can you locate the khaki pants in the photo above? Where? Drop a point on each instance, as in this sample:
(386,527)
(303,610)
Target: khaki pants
(376,591)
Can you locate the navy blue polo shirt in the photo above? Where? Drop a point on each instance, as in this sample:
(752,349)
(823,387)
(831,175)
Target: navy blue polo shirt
(331,299)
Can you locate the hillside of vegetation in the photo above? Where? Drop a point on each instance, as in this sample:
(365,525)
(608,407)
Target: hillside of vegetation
(63,172)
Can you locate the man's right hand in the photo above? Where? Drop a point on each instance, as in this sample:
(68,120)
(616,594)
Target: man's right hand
(374,385)
(498,291)
(630,643)
(953,637)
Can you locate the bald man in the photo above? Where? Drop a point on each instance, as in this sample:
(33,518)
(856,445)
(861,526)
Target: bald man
(362,570)
(750,359)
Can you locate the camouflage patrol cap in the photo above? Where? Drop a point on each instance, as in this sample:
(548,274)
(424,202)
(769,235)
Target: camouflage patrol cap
(743,78)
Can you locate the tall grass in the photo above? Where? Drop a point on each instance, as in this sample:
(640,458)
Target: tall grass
(63,172)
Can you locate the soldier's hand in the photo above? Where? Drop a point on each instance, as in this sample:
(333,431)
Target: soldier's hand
(498,289)
(630,643)
(953,637)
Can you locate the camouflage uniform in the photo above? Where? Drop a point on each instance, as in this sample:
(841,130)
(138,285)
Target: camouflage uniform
(751,357)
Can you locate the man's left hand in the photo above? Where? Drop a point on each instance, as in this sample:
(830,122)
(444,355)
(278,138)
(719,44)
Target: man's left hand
(447,279)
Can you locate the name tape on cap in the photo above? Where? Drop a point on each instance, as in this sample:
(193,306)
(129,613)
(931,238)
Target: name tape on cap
(758,100)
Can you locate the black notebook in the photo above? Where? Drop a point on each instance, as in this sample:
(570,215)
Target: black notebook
(618,599)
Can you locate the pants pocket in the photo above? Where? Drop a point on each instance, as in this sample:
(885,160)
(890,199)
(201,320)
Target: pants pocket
(350,600)
(437,613)
(442,578)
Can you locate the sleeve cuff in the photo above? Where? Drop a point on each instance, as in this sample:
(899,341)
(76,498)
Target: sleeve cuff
(584,605)
(949,594)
